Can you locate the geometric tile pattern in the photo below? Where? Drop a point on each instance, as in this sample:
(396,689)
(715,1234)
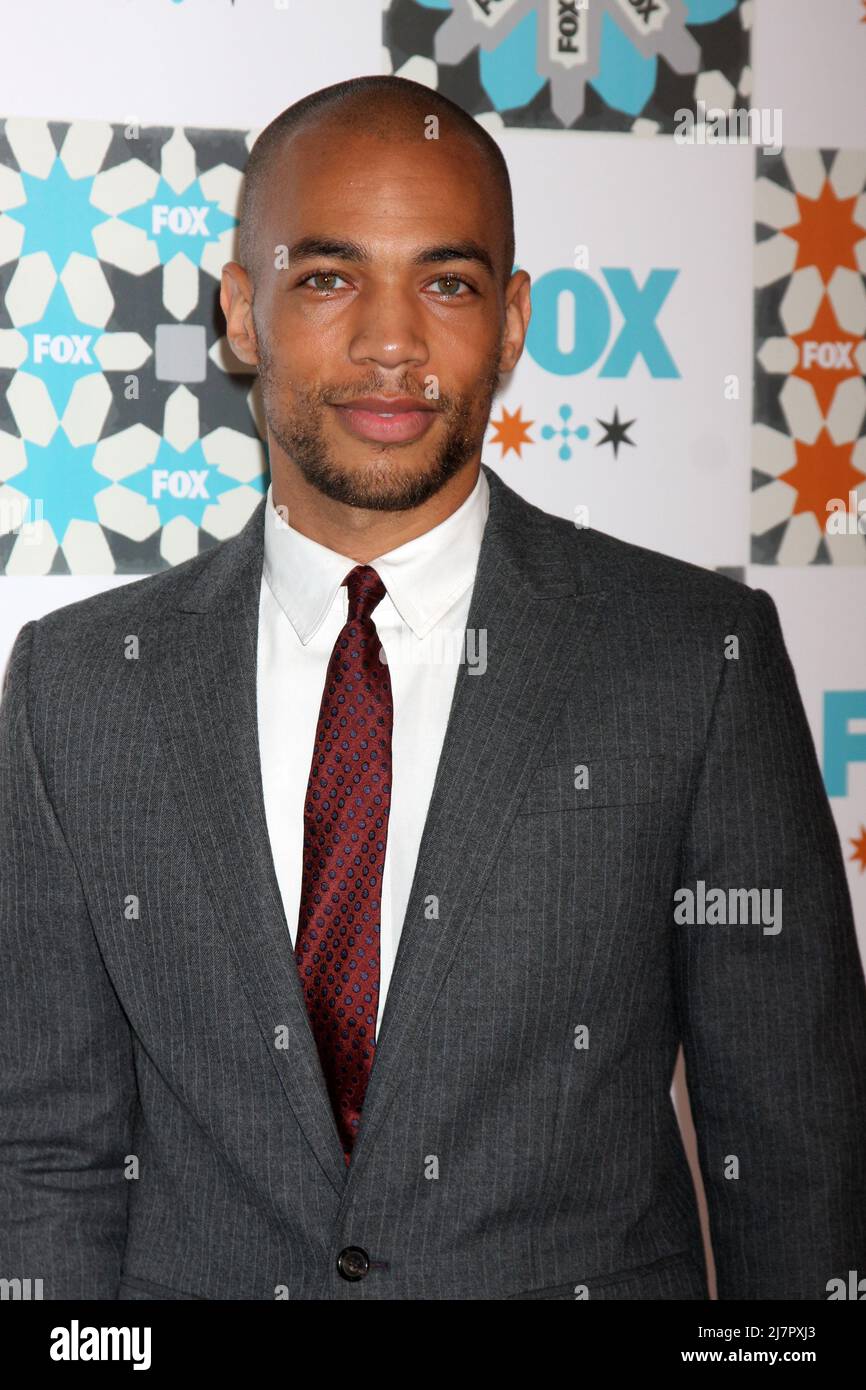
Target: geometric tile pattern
(809,402)
(611,65)
(127,426)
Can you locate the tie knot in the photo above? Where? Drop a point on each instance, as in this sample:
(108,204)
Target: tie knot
(365,591)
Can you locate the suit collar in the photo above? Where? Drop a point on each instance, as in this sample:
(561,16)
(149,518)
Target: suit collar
(423,578)
(522,539)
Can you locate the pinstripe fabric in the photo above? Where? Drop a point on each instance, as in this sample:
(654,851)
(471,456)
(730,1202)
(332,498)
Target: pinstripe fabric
(166,1131)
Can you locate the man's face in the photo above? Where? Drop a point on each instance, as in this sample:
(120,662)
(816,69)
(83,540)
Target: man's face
(380,344)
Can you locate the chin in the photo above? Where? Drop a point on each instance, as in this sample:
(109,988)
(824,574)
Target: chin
(389,481)
(391,461)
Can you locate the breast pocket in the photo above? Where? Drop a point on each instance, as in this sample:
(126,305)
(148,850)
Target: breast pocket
(569,784)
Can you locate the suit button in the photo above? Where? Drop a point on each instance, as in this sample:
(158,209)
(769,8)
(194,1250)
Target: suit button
(353,1262)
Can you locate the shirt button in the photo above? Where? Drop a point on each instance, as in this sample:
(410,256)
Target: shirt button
(353,1262)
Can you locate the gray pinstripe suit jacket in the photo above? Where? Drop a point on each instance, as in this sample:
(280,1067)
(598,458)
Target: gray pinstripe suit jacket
(166,1132)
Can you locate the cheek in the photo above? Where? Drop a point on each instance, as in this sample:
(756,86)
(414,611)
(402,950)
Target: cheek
(464,359)
(299,343)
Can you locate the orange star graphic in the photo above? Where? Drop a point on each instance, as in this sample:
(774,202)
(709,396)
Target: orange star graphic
(823,359)
(512,431)
(823,471)
(826,233)
(859,855)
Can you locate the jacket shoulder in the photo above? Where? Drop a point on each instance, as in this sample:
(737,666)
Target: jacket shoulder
(601,562)
(605,562)
(144,598)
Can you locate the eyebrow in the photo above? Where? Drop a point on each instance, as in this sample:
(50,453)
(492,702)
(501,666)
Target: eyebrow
(309,247)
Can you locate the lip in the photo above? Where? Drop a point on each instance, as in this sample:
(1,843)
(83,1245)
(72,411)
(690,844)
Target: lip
(386,420)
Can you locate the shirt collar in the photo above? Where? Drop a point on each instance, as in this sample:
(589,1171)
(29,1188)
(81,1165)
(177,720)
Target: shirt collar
(424,577)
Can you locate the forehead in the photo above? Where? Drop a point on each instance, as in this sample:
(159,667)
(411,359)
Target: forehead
(388,190)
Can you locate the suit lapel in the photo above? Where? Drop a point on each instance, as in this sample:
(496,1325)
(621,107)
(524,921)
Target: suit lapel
(205,707)
(537,620)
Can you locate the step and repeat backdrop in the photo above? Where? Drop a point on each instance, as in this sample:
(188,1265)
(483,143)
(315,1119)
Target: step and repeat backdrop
(690,197)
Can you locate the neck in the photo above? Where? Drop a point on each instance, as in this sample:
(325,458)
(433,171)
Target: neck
(360,533)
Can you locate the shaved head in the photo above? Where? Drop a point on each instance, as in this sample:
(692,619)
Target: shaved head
(390,109)
(377,298)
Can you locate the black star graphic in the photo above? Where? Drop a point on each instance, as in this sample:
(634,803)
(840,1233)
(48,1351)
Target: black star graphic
(615,432)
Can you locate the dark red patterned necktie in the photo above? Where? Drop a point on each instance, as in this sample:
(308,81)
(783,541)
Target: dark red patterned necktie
(345,833)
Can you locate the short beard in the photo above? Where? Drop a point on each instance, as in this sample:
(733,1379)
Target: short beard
(301,437)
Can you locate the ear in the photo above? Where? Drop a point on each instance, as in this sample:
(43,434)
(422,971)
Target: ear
(518,309)
(236,301)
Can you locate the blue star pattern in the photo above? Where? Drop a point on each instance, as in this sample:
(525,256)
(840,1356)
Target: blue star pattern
(604,66)
(123,414)
(180,482)
(61,482)
(61,349)
(184,222)
(46,230)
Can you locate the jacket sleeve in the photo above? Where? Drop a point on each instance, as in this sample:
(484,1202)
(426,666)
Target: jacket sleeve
(67,1076)
(773,1022)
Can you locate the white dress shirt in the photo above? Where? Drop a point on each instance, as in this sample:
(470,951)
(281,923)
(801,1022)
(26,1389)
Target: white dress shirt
(421,623)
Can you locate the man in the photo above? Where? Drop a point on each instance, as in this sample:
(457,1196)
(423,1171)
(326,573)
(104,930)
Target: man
(363,874)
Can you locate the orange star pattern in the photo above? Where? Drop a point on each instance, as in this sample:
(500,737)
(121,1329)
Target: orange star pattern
(826,233)
(816,345)
(512,431)
(859,855)
(823,471)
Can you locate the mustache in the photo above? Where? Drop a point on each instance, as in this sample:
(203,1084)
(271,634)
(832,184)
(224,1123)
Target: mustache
(335,395)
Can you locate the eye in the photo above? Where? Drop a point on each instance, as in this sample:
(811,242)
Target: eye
(321,275)
(452,284)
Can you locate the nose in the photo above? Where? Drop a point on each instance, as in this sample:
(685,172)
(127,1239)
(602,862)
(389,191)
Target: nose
(388,330)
